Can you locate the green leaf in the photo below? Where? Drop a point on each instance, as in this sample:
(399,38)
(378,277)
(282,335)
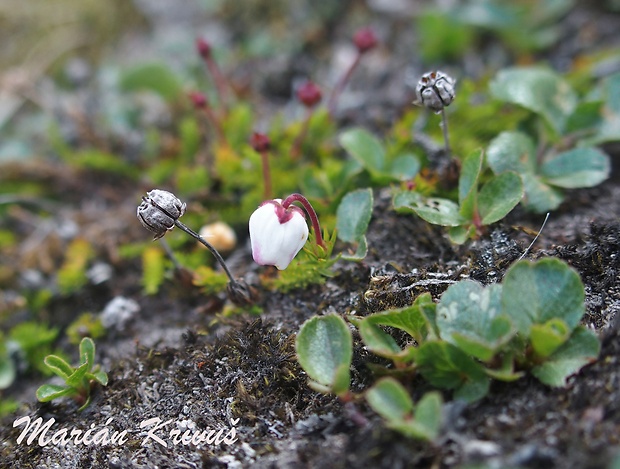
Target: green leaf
(403,201)
(446,366)
(353,215)
(76,380)
(324,346)
(506,372)
(460,234)
(404,167)
(101,377)
(540,197)
(499,196)
(468,184)
(469,316)
(473,390)
(7,372)
(512,151)
(378,341)
(360,252)
(582,348)
(58,366)
(428,414)
(390,400)
(437,211)
(87,352)
(47,392)
(154,77)
(580,167)
(365,148)
(536,292)
(548,337)
(538,89)
(414,319)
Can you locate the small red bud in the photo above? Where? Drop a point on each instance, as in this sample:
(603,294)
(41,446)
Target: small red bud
(365,39)
(260,142)
(198,99)
(309,94)
(204,48)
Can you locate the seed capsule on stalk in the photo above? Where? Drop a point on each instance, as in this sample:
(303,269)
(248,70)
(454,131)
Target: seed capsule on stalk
(435,90)
(159,210)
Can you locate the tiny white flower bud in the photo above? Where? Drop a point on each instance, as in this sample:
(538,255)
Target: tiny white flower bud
(159,210)
(435,91)
(277,234)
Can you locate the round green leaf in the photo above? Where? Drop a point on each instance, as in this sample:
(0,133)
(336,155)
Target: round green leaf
(538,89)
(499,196)
(536,292)
(155,77)
(324,344)
(580,167)
(469,316)
(405,167)
(512,151)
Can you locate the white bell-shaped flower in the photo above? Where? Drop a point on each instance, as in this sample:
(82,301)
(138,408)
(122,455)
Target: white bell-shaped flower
(277,234)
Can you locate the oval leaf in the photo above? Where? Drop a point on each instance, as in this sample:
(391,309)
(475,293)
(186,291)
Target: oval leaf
(512,151)
(437,211)
(499,196)
(365,148)
(469,316)
(538,89)
(58,366)
(353,215)
(324,344)
(47,392)
(581,167)
(536,292)
(390,400)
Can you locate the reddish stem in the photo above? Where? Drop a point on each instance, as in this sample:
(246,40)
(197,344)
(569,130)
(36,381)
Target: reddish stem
(218,78)
(341,84)
(211,117)
(296,149)
(264,154)
(311,213)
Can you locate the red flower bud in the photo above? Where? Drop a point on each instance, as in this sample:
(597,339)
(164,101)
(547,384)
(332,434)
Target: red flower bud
(260,142)
(198,99)
(204,48)
(365,39)
(309,94)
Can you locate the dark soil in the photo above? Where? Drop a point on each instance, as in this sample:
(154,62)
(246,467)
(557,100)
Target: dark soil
(177,360)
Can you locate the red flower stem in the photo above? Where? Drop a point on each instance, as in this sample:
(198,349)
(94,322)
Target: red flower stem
(337,91)
(264,154)
(218,78)
(311,213)
(296,149)
(211,117)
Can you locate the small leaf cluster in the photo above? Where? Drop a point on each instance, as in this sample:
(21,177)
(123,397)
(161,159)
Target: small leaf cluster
(78,380)
(474,334)
(555,151)
(324,347)
(478,204)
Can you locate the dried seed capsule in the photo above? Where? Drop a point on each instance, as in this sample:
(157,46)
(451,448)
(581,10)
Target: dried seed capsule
(435,91)
(159,210)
